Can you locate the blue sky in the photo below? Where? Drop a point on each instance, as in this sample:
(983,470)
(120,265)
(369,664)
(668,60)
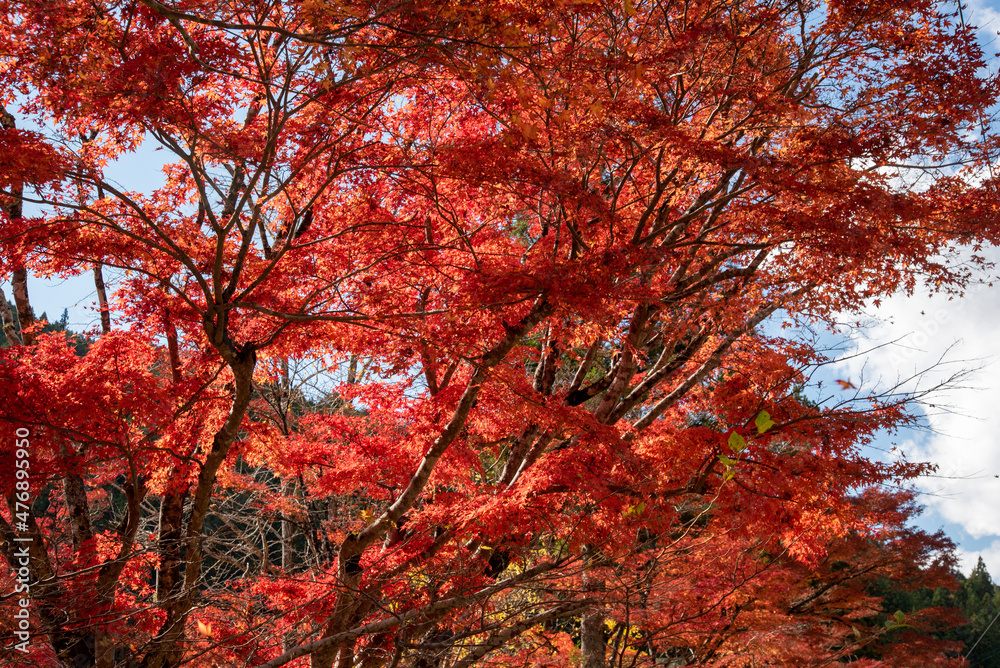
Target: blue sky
(935,337)
(905,335)
(136,171)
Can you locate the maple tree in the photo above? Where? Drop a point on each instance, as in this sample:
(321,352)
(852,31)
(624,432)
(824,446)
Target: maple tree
(451,334)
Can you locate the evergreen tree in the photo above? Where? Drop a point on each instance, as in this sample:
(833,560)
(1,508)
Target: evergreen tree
(977,598)
(80,342)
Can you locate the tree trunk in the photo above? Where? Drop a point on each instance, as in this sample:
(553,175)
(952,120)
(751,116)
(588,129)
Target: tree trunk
(241,360)
(25,316)
(19,280)
(9,326)
(102,298)
(172,350)
(592,644)
(288,641)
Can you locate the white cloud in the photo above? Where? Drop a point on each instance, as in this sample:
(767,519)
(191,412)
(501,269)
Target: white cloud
(967,559)
(985,17)
(939,337)
(928,340)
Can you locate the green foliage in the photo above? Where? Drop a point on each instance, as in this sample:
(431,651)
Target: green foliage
(763,422)
(736,442)
(80,343)
(4,343)
(978,599)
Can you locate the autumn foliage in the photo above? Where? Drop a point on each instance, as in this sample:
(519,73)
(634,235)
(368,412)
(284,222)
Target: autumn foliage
(471,333)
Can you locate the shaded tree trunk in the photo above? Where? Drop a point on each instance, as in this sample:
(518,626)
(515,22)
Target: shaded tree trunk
(102,298)
(19,280)
(593,648)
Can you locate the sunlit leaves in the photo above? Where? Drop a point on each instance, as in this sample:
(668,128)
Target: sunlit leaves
(432,295)
(763,422)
